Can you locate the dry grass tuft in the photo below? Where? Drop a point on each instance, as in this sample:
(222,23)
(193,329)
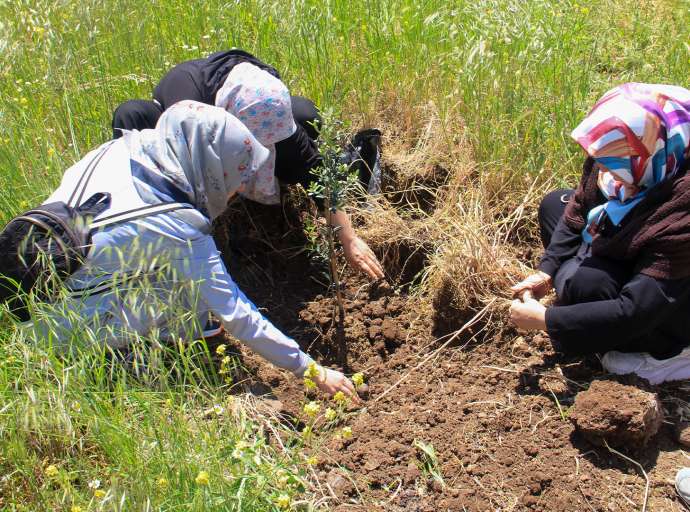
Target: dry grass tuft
(457,231)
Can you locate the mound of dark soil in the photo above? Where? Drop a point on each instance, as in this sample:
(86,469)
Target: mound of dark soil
(617,414)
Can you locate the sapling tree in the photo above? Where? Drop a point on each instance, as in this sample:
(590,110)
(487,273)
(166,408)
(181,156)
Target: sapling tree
(333,186)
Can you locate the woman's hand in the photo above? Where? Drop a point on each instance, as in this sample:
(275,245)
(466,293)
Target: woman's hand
(528,313)
(357,252)
(331,381)
(360,257)
(538,284)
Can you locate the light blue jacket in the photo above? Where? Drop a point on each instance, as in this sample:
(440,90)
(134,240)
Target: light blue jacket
(157,276)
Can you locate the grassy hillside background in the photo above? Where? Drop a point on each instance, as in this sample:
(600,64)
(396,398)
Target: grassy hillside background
(509,79)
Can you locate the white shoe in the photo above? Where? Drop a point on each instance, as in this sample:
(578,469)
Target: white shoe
(655,371)
(683,485)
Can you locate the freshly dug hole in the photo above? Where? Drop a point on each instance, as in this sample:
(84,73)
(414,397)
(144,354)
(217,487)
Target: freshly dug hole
(445,238)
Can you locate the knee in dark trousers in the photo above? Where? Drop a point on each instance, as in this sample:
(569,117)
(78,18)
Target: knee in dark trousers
(551,210)
(306,114)
(135,115)
(596,279)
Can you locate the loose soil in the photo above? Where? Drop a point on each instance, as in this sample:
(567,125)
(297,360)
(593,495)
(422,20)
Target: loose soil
(495,408)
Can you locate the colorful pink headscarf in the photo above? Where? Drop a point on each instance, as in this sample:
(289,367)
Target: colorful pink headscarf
(263,104)
(639,134)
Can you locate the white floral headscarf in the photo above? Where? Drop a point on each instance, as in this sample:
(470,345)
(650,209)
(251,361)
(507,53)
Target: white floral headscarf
(263,104)
(198,152)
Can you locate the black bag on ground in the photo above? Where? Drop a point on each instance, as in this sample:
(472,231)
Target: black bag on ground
(363,155)
(44,246)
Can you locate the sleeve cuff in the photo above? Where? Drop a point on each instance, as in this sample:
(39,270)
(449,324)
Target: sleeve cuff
(549,321)
(305,361)
(552,320)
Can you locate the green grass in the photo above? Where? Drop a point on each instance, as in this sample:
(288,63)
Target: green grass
(519,74)
(145,439)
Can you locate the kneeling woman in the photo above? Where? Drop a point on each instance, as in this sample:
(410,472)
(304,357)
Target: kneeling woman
(142,273)
(287,125)
(618,247)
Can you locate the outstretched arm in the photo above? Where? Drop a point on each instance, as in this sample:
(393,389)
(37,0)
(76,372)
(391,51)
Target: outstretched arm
(564,244)
(243,320)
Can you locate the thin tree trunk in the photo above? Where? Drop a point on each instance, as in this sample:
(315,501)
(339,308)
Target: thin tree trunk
(340,327)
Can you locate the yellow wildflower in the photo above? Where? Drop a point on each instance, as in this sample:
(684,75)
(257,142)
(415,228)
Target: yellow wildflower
(312,370)
(339,397)
(306,432)
(162,482)
(347,432)
(76,508)
(330,414)
(358,379)
(99,493)
(220,349)
(283,501)
(312,408)
(283,478)
(238,452)
(225,361)
(51,471)
(312,461)
(202,478)
(309,384)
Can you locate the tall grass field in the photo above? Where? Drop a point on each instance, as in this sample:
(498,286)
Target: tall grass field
(508,78)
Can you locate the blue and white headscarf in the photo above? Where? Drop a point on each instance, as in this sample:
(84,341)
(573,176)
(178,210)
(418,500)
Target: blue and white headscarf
(198,154)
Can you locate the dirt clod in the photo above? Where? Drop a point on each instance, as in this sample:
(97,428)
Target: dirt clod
(618,414)
(553,385)
(389,330)
(683,432)
(339,484)
(521,348)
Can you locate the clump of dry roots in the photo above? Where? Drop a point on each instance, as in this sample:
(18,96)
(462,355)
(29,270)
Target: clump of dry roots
(458,233)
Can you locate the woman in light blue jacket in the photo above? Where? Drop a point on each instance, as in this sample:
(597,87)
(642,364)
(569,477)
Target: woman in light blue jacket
(159,272)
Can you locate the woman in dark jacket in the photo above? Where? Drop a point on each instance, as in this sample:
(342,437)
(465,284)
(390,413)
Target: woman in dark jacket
(253,92)
(618,247)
